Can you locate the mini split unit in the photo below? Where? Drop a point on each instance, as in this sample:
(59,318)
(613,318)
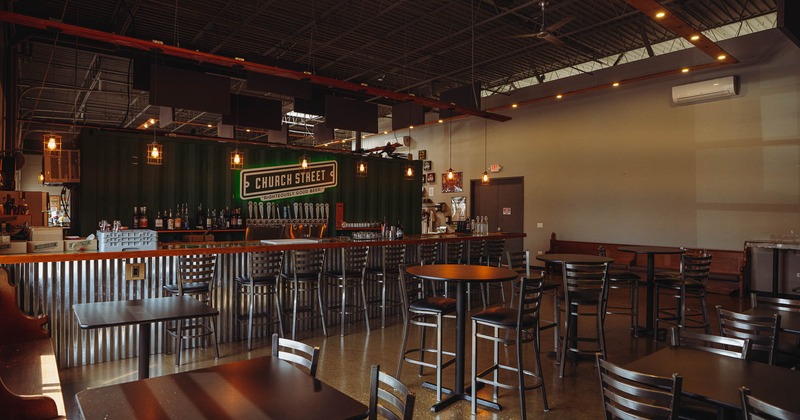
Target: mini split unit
(709,90)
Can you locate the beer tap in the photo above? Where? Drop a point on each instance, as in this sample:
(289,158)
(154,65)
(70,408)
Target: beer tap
(249,210)
(327,211)
(261,210)
(296,206)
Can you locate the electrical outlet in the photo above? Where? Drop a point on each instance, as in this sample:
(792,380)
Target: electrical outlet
(135,271)
(539,225)
(539,252)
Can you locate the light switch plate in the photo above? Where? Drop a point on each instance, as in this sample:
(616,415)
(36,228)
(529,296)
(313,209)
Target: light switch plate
(135,271)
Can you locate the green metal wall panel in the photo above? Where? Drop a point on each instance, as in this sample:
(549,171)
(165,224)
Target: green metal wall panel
(115,178)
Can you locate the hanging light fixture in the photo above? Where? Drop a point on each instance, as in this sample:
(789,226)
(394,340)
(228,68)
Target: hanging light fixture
(450,173)
(485,177)
(155,152)
(40,178)
(237,159)
(408,171)
(303,162)
(52,143)
(361,168)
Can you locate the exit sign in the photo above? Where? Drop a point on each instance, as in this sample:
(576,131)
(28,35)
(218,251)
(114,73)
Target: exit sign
(495,167)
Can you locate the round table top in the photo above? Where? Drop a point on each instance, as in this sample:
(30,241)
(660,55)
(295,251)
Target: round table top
(574,258)
(637,249)
(458,272)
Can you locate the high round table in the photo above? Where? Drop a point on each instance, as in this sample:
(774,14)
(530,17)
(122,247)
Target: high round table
(461,275)
(650,251)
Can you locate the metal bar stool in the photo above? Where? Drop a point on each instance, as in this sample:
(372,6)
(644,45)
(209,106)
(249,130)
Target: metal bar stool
(520,261)
(525,322)
(621,278)
(689,284)
(392,257)
(196,278)
(304,275)
(349,276)
(259,285)
(493,256)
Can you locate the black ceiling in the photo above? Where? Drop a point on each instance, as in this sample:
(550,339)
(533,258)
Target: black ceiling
(419,47)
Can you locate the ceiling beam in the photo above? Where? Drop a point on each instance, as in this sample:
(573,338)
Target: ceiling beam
(139,44)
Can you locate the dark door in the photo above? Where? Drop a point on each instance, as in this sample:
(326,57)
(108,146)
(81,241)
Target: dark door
(502,200)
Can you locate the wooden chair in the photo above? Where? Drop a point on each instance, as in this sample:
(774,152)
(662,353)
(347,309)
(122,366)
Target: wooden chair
(756,409)
(260,284)
(632,395)
(585,285)
(303,355)
(524,322)
(762,331)
(196,277)
(737,348)
(425,312)
(388,397)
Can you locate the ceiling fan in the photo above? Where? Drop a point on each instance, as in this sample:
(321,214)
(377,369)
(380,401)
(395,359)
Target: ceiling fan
(546,33)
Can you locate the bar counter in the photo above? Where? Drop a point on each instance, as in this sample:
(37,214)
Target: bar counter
(50,283)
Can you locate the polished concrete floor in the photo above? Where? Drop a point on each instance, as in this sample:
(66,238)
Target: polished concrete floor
(345,363)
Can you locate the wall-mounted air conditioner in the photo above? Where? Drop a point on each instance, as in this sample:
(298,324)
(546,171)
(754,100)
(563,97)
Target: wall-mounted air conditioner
(708,90)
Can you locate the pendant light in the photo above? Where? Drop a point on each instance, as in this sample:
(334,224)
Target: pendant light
(408,171)
(361,168)
(155,151)
(450,173)
(237,159)
(303,162)
(485,177)
(52,143)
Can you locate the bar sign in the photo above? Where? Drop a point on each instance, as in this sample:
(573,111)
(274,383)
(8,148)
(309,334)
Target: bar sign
(287,181)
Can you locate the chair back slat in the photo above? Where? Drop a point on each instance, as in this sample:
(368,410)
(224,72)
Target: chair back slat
(530,298)
(427,253)
(307,261)
(453,252)
(696,267)
(757,409)
(476,249)
(585,281)
(393,257)
(412,287)
(354,259)
(520,262)
(633,395)
(778,304)
(265,264)
(493,251)
(737,348)
(303,355)
(389,398)
(762,331)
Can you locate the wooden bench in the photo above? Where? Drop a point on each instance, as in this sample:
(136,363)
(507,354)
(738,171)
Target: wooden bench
(29,384)
(726,266)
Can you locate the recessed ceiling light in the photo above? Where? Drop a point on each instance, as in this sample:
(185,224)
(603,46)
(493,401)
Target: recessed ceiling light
(559,96)
(615,84)
(410,126)
(660,15)
(695,38)
(385,132)
(684,70)
(514,105)
(247,130)
(441,121)
(151,121)
(209,125)
(722,57)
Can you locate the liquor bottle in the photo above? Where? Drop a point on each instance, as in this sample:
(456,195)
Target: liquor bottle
(135,218)
(177,221)
(227,218)
(159,222)
(209,220)
(25,209)
(398,231)
(8,205)
(201,220)
(170,220)
(185,217)
(143,218)
(240,219)
(234,221)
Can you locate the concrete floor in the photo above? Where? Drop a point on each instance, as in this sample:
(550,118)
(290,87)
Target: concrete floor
(345,363)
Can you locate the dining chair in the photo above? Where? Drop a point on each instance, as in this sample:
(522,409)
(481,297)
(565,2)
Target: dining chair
(620,277)
(754,408)
(632,395)
(584,285)
(425,312)
(689,284)
(524,321)
(788,348)
(388,397)
(762,331)
(296,352)
(303,276)
(738,348)
(259,286)
(196,277)
(392,257)
(348,279)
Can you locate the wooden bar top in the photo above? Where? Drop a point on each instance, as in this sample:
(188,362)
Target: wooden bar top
(233,247)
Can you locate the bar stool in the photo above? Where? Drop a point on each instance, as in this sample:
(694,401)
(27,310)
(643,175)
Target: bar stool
(520,261)
(304,275)
(621,278)
(426,312)
(525,322)
(585,285)
(349,277)
(475,250)
(392,257)
(196,278)
(689,284)
(262,282)
(427,254)
(493,256)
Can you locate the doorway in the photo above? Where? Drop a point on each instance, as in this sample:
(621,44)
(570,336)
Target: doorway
(503,201)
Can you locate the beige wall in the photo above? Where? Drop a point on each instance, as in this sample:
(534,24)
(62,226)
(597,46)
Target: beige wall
(627,166)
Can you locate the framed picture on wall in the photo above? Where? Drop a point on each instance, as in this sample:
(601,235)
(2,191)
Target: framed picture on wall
(452,185)
(427,165)
(431,177)
(423,154)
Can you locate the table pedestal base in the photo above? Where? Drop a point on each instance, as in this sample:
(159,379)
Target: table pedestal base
(453,397)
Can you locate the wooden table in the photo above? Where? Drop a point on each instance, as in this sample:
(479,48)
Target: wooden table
(574,259)
(790,320)
(140,311)
(262,388)
(461,275)
(716,379)
(651,252)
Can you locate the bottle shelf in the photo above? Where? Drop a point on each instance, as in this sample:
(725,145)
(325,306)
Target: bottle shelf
(199,230)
